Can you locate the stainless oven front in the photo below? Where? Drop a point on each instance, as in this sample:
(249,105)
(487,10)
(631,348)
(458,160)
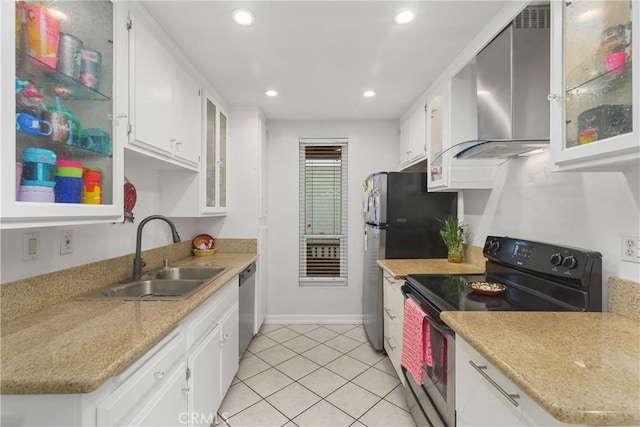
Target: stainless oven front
(433,402)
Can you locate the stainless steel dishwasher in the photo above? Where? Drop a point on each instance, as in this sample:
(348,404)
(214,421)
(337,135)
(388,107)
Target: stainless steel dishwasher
(247,305)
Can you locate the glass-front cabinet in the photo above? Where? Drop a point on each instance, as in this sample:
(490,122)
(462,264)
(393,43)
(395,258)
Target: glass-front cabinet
(59,158)
(595,84)
(214,169)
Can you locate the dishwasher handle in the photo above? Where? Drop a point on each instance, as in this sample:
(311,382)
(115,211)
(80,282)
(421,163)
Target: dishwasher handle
(247,273)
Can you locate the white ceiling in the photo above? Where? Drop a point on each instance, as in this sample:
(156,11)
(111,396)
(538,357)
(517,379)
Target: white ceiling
(322,55)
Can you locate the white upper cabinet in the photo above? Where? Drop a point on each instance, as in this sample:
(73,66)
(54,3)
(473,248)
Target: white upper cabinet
(595,85)
(186,194)
(165,100)
(61,65)
(412,137)
(452,120)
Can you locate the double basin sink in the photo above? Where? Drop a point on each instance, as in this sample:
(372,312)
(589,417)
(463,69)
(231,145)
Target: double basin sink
(169,283)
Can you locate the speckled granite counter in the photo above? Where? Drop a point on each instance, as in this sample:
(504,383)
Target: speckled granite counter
(399,268)
(583,368)
(75,346)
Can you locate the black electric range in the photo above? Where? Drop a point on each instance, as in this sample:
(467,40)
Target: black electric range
(537,276)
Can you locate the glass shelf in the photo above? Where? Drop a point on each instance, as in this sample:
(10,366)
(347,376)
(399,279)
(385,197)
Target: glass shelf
(603,82)
(63,151)
(53,82)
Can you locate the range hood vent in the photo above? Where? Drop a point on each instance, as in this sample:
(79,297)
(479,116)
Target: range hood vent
(512,76)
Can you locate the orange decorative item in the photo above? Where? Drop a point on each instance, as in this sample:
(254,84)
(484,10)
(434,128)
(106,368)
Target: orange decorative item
(92,186)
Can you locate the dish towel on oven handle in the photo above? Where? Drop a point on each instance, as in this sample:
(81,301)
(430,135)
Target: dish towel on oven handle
(416,342)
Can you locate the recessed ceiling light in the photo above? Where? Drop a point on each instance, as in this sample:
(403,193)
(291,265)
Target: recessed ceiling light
(271,93)
(242,17)
(403,17)
(369,93)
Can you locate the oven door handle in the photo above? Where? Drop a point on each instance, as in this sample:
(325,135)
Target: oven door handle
(435,323)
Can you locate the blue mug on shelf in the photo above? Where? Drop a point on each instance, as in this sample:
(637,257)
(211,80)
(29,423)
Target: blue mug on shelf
(27,123)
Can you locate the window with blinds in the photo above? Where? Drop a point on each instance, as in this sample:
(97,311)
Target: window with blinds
(323,210)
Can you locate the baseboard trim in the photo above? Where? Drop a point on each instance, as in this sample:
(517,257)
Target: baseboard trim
(312,319)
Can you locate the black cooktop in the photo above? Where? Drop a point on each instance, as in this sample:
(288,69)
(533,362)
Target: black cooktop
(450,293)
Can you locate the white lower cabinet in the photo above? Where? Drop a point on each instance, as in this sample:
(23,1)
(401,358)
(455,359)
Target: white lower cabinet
(178,382)
(229,345)
(393,307)
(204,364)
(485,397)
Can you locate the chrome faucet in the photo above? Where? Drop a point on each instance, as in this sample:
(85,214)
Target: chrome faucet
(138,263)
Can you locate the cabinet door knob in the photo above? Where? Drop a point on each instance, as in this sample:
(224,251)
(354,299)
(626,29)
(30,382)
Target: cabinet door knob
(159,374)
(185,389)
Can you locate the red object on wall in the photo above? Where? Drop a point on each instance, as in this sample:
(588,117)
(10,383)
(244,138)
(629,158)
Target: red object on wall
(130,197)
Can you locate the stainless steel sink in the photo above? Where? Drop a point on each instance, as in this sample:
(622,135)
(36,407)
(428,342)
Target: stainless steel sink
(175,283)
(188,273)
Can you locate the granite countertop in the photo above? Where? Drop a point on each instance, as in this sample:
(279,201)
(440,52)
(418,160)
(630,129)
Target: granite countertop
(583,368)
(398,268)
(75,346)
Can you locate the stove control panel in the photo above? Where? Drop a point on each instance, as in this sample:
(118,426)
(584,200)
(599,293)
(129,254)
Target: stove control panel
(538,257)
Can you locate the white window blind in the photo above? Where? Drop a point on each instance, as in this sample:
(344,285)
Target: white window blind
(323,210)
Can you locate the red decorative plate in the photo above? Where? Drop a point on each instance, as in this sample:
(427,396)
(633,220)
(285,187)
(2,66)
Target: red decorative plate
(486,288)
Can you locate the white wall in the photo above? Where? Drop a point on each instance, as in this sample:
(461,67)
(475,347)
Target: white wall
(373,146)
(586,210)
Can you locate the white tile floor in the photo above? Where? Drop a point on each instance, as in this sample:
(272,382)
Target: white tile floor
(314,375)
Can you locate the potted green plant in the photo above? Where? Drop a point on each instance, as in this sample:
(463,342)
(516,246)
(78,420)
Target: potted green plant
(452,234)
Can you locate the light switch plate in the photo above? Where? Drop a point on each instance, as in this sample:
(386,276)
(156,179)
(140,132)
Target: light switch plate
(31,246)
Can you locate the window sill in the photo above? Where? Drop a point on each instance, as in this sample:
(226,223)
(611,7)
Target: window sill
(323,281)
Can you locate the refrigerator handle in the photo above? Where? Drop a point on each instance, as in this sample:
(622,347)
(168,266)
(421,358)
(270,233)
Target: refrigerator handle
(365,239)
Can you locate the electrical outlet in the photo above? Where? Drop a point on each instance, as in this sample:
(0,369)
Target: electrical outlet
(631,248)
(30,246)
(66,242)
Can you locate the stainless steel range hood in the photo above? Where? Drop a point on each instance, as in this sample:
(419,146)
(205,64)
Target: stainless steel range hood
(512,74)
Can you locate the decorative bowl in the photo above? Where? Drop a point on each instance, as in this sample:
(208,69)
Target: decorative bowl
(203,252)
(486,288)
(202,238)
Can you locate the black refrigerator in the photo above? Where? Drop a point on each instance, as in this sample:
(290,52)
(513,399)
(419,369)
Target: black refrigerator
(401,221)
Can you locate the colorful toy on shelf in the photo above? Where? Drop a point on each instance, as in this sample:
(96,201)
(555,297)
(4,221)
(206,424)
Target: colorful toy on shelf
(42,26)
(68,181)
(92,186)
(28,98)
(38,167)
(26,123)
(62,122)
(95,140)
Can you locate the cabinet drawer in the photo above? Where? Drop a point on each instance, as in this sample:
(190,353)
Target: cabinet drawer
(393,345)
(137,387)
(393,300)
